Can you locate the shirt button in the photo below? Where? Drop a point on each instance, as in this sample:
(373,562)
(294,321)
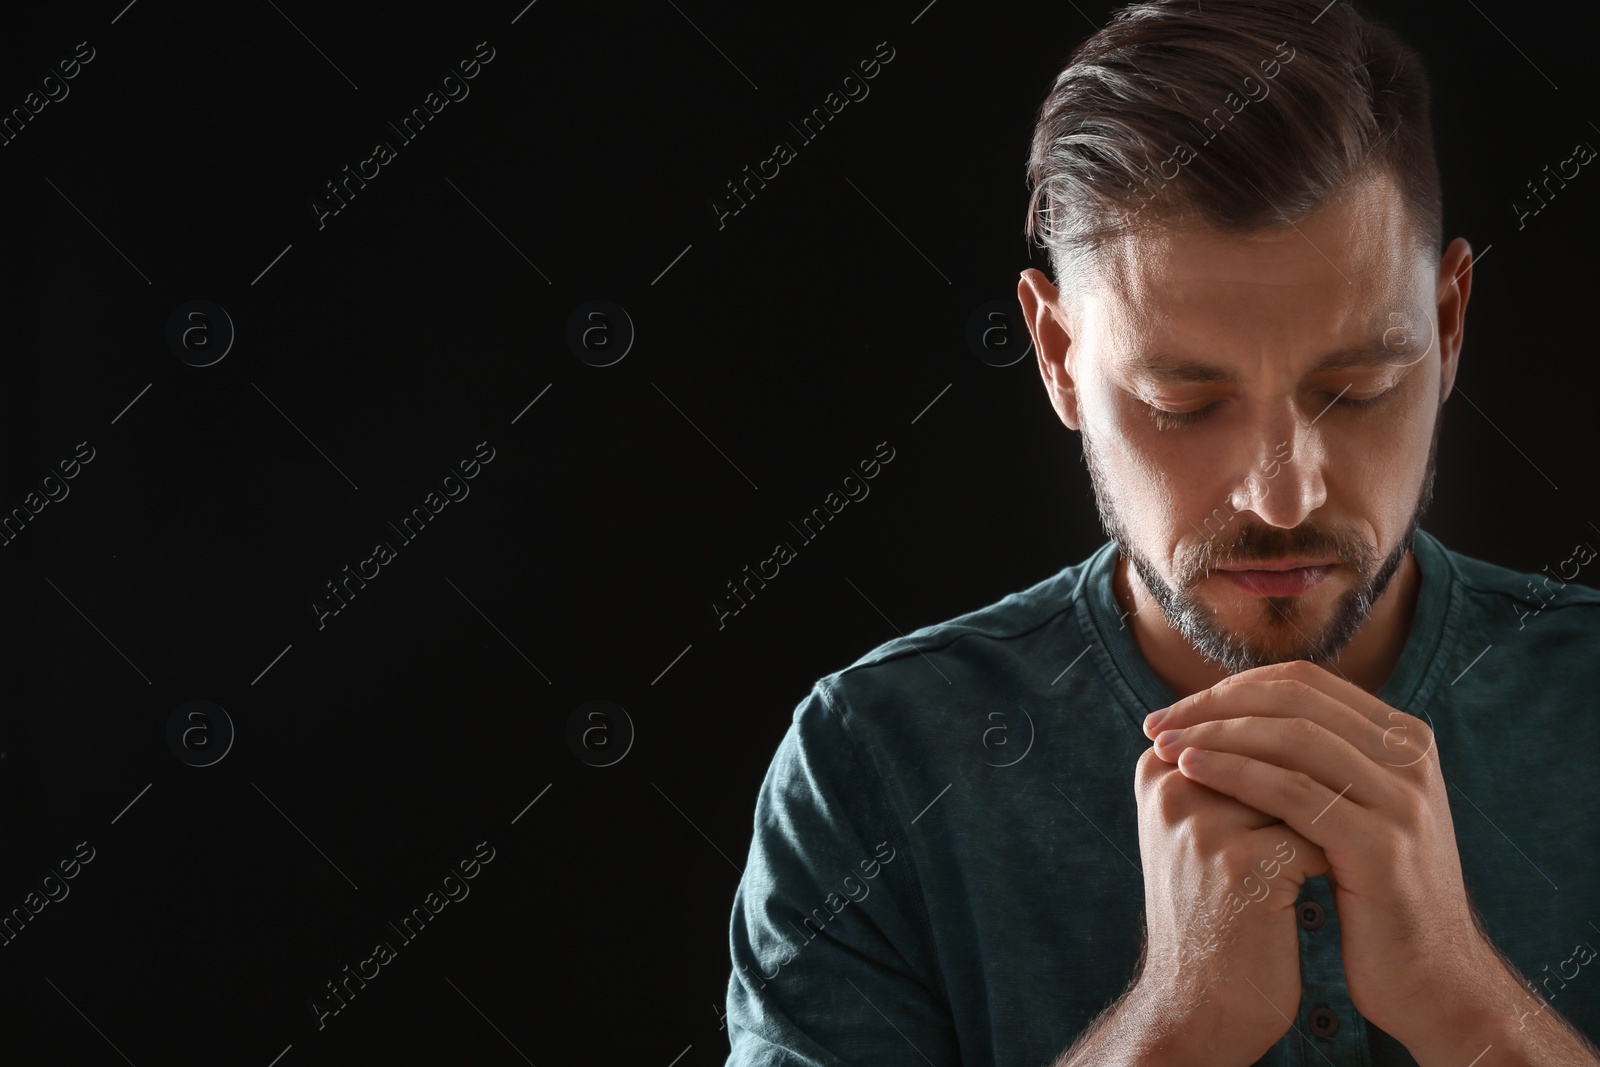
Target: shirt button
(1309,915)
(1324,1023)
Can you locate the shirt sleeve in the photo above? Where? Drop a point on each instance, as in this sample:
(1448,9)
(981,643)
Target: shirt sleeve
(833,963)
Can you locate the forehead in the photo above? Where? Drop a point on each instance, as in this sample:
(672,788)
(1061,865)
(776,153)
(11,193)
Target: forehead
(1345,273)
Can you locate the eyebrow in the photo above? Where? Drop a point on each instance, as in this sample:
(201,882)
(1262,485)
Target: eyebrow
(1176,369)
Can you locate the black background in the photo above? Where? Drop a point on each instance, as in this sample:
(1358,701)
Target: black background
(770,357)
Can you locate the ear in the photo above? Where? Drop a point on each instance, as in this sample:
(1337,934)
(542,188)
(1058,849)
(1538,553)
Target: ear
(1041,309)
(1455,286)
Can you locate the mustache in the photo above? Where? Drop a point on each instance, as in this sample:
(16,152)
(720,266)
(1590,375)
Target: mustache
(1257,544)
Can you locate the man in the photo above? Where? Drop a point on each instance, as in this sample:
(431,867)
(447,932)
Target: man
(1377,838)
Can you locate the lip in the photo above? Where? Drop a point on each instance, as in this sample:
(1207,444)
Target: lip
(1282,565)
(1278,580)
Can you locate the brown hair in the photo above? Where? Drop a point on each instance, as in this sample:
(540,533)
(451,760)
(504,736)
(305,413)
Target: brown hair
(1266,109)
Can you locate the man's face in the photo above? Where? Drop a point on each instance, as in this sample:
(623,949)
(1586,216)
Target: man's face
(1280,460)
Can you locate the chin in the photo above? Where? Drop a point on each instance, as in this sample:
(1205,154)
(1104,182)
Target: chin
(1243,612)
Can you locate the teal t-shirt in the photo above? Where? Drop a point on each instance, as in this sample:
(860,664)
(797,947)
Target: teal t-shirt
(944,867)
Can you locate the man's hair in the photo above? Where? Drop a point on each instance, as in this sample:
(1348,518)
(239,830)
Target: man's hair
(1281,104)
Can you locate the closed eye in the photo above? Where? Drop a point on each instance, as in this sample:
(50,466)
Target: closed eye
(1168,420)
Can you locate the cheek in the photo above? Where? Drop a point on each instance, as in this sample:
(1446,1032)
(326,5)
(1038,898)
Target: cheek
(1375,471)
(1409,441)
(1151,474)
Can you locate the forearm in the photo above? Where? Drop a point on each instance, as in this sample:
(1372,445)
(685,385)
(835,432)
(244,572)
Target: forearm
(1544,1037)
(1136,1031)
(1501,1022)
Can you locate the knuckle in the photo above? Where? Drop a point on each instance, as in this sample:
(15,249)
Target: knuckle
(1303,689)
(1301,730)
(1152,779)
(1149,766)
(1411,735)
(1199,702)
(1292,690)
(1170,806)
(1173,797)
(1205,838)
(1277,671)
(1303,788)
(1300,670)
(1420,730)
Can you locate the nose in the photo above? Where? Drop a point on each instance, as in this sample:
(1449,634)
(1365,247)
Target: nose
(1281,479)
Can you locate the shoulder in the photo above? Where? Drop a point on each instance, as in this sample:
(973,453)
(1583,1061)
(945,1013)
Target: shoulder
(946,665)
(1559,585)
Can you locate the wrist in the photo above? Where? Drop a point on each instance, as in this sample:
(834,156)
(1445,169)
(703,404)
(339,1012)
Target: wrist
(1130,1033)
(1469,1013)
(1163,1030)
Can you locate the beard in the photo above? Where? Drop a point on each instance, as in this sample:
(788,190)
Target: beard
(1287,628)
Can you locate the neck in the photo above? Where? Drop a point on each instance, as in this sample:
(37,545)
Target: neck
(1367,661)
